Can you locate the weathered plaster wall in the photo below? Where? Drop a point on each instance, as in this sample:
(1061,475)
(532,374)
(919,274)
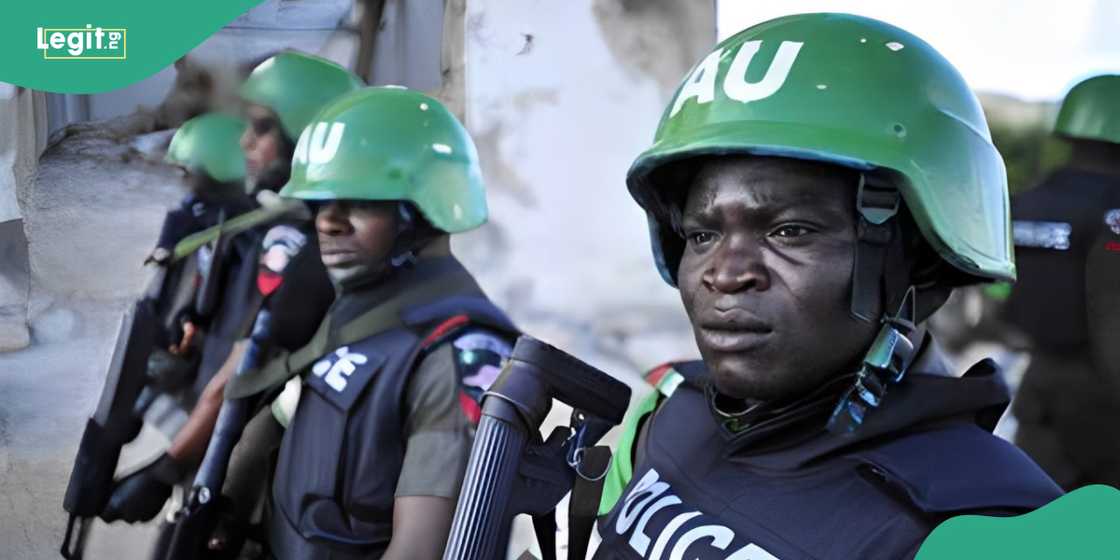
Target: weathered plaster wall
(560,98)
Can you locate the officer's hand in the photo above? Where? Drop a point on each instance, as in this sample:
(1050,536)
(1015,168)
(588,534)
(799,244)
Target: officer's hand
(141,495)
(160,256)
(184,346)
(228,535)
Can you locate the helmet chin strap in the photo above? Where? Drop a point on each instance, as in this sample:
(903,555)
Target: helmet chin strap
(880,274)
(877,205)
(412,237)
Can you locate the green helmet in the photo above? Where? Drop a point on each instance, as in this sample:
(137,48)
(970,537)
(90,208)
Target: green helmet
(210,143)
(391,143)
(295,86)
(1091,110)
(852,91)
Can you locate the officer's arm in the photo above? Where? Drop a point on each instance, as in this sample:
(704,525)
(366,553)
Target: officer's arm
(437,442)
(420,527)
(189,444)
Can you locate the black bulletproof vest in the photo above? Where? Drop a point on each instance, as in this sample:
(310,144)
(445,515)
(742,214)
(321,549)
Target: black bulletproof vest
(341,456)
(689,498)
(1054,226)
(238,301)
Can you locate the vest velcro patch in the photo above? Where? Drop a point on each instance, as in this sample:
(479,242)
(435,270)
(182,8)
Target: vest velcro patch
(1112,220)
(281,244)
(1042,235)
(340,377)
(479,355)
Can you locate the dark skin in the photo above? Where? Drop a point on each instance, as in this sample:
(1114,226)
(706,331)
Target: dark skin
(261,141)
(352,235)
(355,234)
(766,275)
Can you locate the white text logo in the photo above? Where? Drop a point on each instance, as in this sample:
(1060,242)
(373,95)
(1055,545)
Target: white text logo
(701,84)
(649,496)
(88,43)
(335,374)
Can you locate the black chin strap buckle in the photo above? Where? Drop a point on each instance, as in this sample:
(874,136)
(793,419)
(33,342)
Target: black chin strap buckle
(885,364)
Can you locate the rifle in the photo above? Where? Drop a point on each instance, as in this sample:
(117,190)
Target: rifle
(115,422)
(198,516)
(202,301)
(511,470)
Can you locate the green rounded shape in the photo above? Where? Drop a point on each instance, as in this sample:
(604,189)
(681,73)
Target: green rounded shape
(210,143)
(295,86)
(391,143)
(1091,110)
(852,91)
(1081,524)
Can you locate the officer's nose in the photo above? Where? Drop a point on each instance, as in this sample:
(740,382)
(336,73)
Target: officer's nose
(332,219)
(247,138)
(737,265)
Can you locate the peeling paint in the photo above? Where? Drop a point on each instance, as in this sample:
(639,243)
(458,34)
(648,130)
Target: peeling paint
(659,39)
(501,176)
(528,46)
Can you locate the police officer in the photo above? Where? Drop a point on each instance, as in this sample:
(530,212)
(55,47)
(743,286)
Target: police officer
(816,188)
(371,462)
(1064,232)
(282,94)
(207,149)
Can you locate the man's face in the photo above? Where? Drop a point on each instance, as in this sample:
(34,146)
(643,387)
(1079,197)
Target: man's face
(766,275)
(355,236)
(261,142)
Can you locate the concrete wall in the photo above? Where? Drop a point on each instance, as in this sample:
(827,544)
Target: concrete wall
(560,98)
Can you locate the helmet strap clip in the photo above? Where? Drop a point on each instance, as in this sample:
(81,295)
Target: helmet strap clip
(885,364)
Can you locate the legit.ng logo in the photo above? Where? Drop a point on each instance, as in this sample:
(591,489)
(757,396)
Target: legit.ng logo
(88,43)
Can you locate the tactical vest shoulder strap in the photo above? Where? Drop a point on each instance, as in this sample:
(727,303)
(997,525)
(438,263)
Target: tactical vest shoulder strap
(285,365)
(234,226)
(692,372)
(960,467)
(474,308)
(665,378)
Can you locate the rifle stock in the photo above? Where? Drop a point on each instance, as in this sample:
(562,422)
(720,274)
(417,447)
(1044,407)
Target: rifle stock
(511,470)
(114,422)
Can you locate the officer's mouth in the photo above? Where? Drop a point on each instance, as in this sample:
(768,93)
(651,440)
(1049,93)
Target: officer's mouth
(742,333)
(338,258)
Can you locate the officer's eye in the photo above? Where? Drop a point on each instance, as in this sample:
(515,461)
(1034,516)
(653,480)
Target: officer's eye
(262,126)
(790,231)
(698,238)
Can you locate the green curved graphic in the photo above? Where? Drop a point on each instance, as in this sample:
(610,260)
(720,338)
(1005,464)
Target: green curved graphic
(1081,524)
(148,35)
